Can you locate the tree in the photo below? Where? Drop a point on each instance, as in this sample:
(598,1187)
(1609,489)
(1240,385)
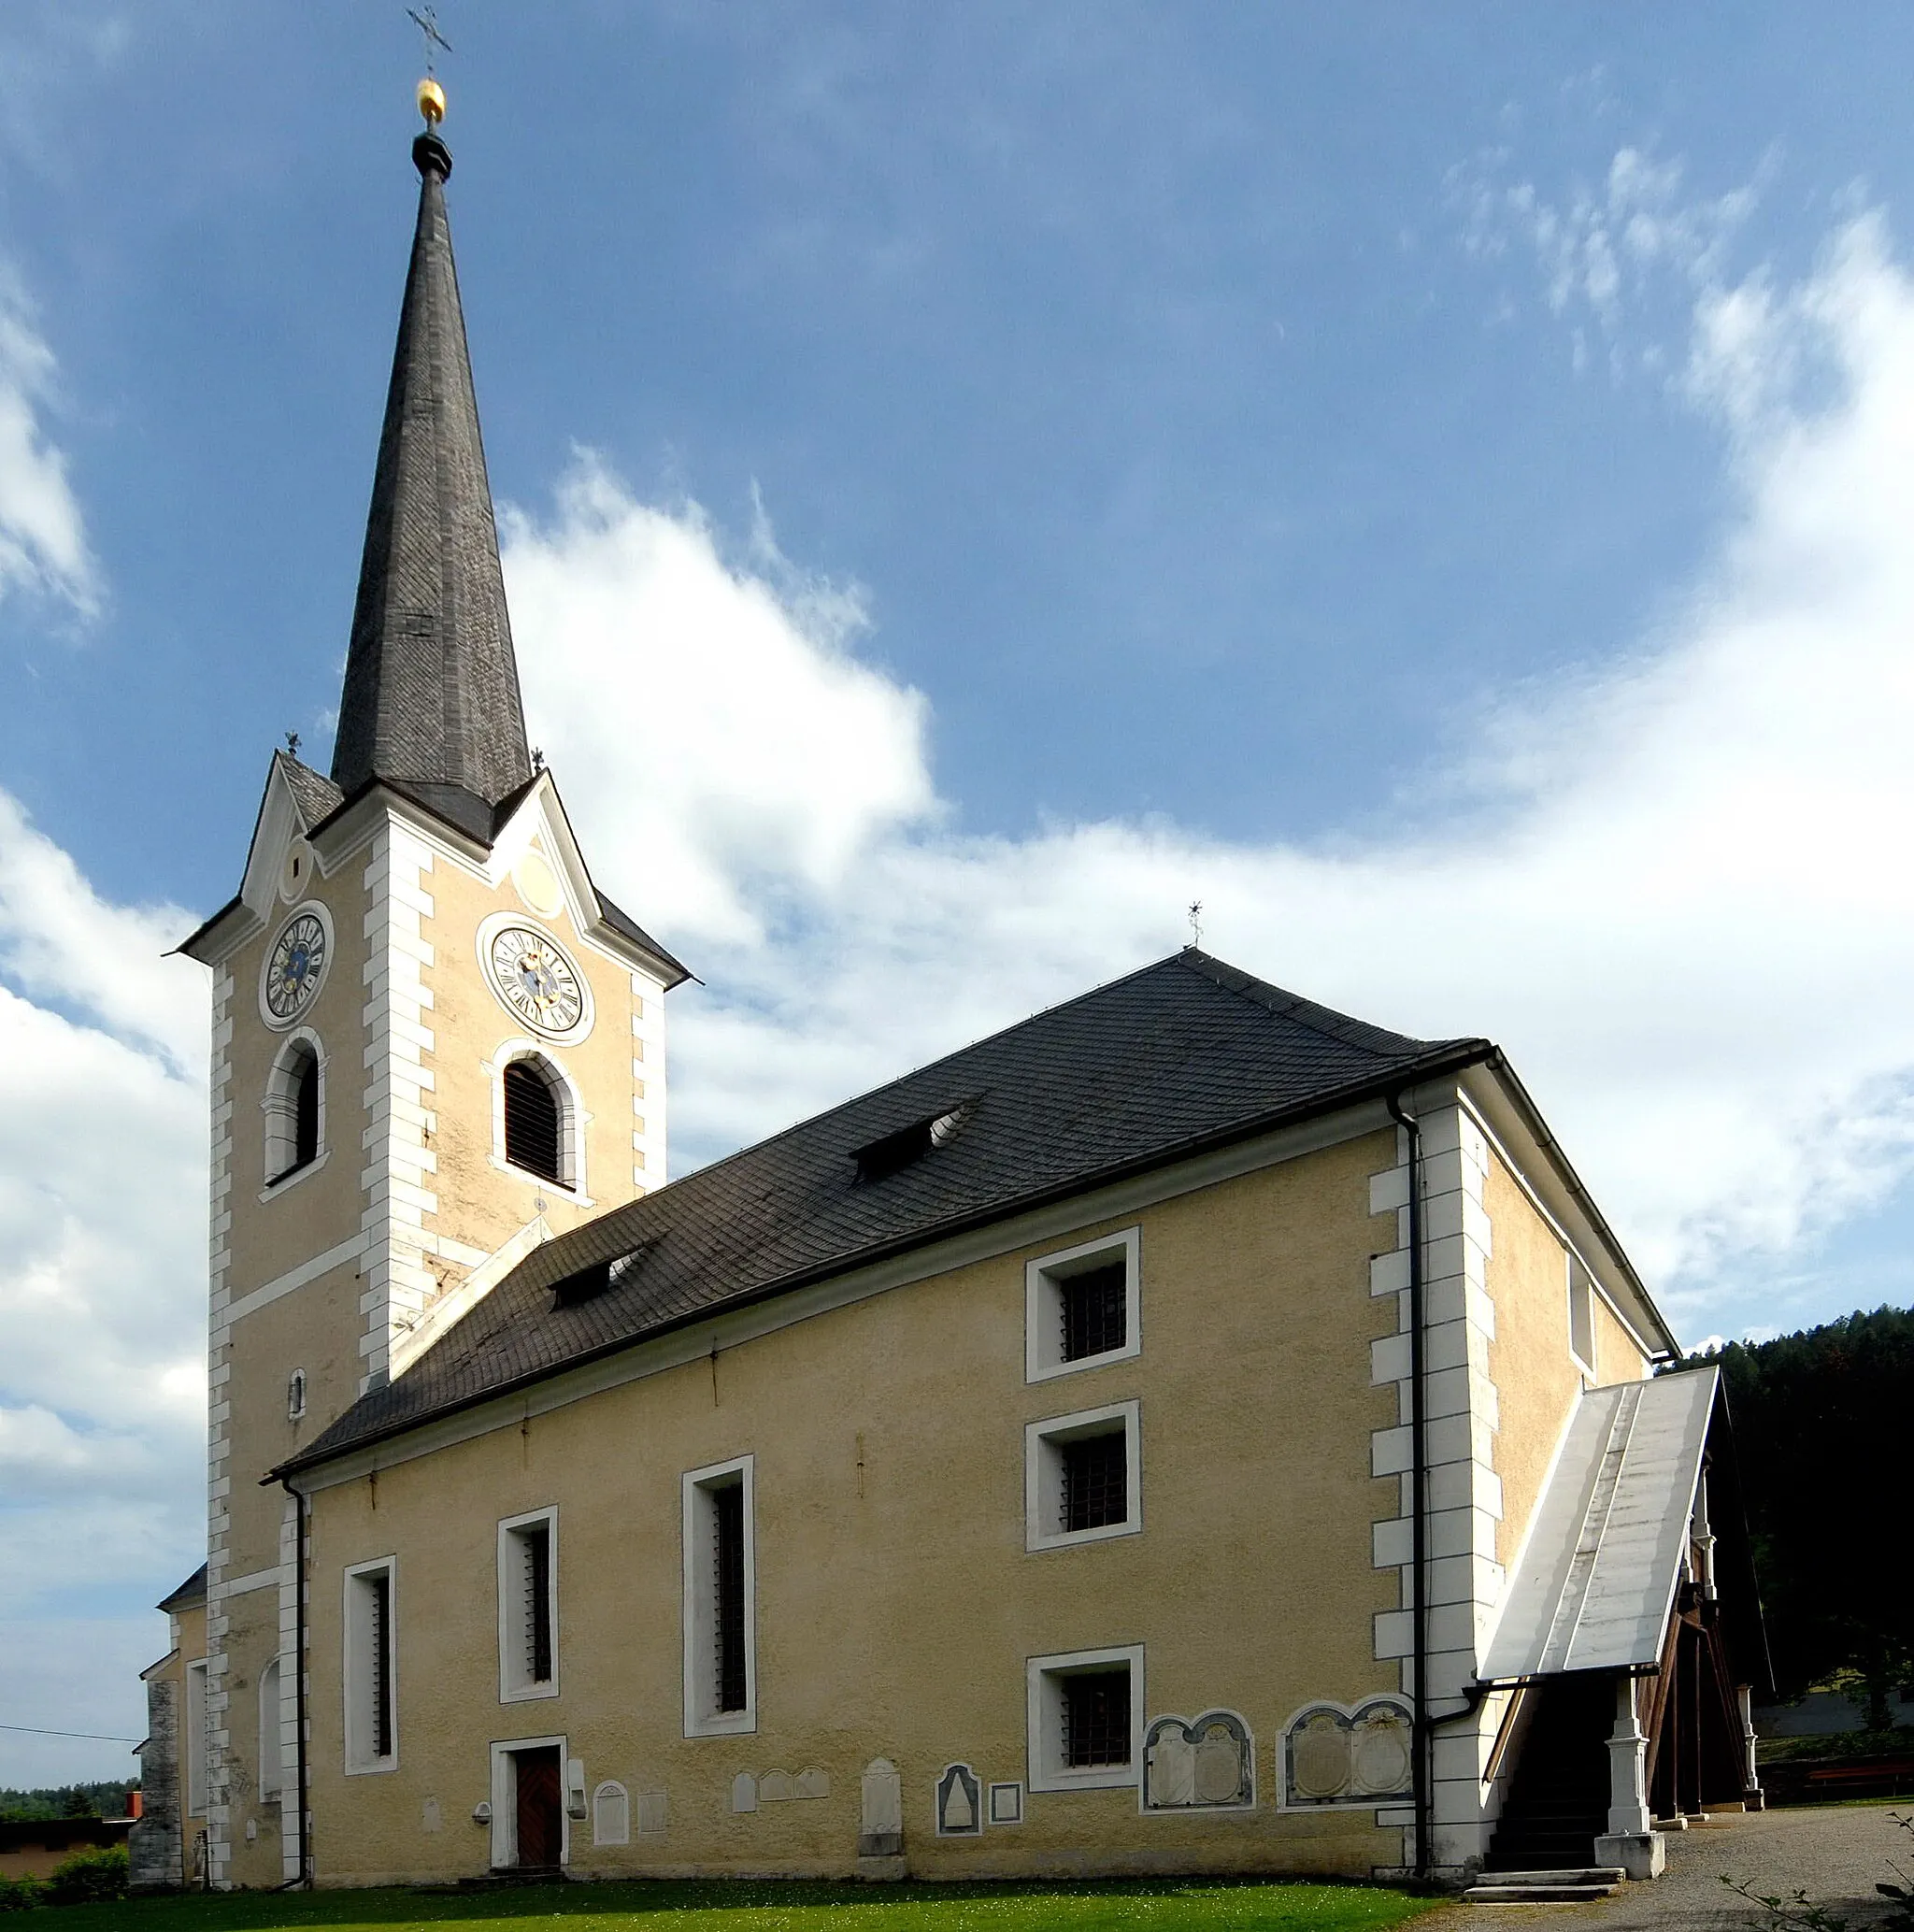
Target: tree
(1824,1430)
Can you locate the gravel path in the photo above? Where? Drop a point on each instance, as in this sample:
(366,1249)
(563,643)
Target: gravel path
(1834,1853)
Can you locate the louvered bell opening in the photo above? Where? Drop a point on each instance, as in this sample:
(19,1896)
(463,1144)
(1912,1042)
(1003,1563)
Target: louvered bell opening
(533,1137)
(306,1111)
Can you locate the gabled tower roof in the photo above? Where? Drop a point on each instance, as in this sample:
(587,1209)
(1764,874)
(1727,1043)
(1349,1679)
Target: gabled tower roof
(431,686)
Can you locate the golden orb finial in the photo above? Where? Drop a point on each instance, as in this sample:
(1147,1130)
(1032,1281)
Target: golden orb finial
(431,98)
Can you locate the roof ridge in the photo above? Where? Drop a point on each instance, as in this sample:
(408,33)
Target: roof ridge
(1307,1013)
(859,1100)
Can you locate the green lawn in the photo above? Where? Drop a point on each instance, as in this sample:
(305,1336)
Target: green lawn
(1170,1905)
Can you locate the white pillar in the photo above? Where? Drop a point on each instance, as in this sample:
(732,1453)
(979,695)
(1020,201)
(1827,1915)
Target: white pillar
(1705,1540)
(1750,1777)
(1628,1764)
(1629,1843)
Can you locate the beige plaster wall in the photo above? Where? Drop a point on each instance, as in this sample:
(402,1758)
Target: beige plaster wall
(897,1604)
(1537,1378)
(190,1649)
(1618,1356)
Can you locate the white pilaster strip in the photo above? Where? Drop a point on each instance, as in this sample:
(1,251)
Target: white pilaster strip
(396,1284)
(1461,1418)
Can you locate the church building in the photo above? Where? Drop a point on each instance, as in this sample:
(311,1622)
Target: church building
(1190,1431)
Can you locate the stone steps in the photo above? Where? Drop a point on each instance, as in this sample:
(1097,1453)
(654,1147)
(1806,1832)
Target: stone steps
(1569,1887)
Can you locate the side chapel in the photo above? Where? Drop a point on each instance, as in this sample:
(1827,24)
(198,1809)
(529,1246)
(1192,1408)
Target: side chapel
(1191,1430)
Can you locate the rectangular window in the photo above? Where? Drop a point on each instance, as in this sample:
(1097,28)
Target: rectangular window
(1084,1711)
(1095,1481)
(371,1672)
(1096,1718)
(1095,1311)
(1581,1315)
(1080,1305)
(720,1589)
(727,1506)
(1083,1477)
(196,1739)
(528,1606)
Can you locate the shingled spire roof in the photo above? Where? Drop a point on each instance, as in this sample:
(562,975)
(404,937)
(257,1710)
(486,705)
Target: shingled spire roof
(432,687)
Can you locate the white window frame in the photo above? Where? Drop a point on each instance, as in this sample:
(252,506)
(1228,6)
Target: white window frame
(272,1748)
(195,1718)
(1043,1303)
(297,1391)
(1043,1474)
(513,1687)
(361,1761)
(1044,1714)
(573,1119)
(505,1799)
(700,1604)
(281,1117)
(1581,1303)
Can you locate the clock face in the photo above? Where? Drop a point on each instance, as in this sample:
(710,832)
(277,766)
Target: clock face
(536,980)
(295,966)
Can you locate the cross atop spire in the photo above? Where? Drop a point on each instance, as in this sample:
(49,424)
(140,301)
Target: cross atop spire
(431,686)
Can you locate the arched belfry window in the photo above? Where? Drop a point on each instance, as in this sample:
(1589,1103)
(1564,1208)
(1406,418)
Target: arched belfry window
(534,1119)
(293,1110)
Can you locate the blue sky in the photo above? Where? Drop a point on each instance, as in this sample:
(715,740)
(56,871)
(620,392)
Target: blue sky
(1428,482)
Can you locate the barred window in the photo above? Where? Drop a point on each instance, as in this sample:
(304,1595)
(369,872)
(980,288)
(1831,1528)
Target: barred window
(1096,1718)
(1095,1311)
(1095,1486)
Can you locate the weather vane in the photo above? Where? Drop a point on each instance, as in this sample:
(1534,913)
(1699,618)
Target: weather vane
(1195,917)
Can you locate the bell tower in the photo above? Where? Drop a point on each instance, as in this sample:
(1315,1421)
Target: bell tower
(436,1043)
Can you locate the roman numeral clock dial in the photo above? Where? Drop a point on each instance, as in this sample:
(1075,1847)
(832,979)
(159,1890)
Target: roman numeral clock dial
(536,980)
(294,968)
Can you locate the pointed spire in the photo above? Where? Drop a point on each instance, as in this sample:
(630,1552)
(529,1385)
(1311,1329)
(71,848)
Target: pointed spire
(432,687)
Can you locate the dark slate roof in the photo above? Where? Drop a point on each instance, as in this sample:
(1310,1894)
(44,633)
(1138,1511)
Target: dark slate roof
(620,921)
(432,687)
(189,1596)
(1185,1054)
(313,792)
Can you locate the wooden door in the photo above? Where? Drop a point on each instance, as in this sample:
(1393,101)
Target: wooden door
(542,1822)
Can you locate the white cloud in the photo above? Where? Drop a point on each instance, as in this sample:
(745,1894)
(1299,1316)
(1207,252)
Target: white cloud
(103,1135)
(1604,246)
(741,748)
(43,546)
(1674,890)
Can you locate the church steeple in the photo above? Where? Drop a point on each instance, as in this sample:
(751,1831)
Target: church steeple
(432,687)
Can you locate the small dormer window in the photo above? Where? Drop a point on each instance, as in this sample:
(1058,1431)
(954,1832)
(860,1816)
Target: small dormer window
(896,1151)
